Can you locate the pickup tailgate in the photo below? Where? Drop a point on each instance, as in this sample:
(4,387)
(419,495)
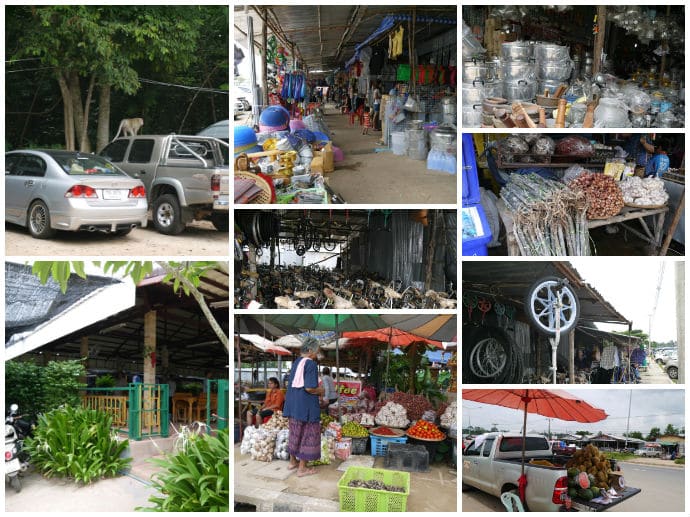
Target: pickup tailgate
(221,197)
(590,506)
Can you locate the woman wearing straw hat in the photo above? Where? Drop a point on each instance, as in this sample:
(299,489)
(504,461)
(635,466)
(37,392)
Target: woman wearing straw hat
(302,409)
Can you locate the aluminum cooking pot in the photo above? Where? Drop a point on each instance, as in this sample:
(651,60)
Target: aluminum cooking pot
(473,70)
(516,51)
(515,70)
(472,116)
(519,90)
(554,70)
(551,52)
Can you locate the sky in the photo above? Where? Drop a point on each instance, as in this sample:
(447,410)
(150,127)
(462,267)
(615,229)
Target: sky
(629,284)
(648,408)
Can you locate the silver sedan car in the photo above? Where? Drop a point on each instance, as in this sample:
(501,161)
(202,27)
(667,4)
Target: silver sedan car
(49,190)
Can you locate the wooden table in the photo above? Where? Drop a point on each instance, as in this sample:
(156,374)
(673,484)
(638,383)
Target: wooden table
(184,398)
(652,235)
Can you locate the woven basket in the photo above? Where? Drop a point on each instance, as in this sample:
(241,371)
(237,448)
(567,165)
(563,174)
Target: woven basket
(649,207)
(265,196)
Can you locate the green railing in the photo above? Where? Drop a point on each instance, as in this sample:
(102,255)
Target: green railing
(222,402)
(140,410)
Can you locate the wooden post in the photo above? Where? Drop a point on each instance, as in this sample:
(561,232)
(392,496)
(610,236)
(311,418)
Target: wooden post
(599,39)
(149,364)
(264,62)
(84,354)
(672,227)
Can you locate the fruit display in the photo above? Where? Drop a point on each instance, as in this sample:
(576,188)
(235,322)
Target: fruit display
(588,469)
(424,430)
(354,430)
(325,420)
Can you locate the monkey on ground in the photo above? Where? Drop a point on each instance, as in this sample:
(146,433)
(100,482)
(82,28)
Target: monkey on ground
(129,126)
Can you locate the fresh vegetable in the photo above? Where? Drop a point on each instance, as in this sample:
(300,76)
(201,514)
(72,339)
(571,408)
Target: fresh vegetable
(276,422)
(415,405)
(425,430)
(590,462)
(281,450)
(393,415)
(385,431)
(604,196)
(586,494)
(644,192)
(450,415)
(583,480)
(263,445)
(373,484)
(354,430)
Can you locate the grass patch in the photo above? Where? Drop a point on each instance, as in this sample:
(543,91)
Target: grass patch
(619,456)
(679,461)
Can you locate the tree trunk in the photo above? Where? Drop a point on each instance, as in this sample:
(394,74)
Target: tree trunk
(84,144)
(77,106)
(103,129)
(68,112)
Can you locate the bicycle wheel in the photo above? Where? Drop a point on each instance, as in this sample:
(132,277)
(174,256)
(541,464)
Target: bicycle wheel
(540,305)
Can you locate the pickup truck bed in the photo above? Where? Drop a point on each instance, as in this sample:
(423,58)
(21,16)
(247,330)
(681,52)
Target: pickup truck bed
(589,506)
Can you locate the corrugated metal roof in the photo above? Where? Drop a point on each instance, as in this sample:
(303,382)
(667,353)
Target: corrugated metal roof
(325,36)
(510,280)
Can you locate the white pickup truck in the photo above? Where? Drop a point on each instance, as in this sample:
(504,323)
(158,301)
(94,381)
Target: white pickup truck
(492,464)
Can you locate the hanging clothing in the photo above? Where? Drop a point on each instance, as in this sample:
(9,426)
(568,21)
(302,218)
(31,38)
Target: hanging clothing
(395,43)
(609,357)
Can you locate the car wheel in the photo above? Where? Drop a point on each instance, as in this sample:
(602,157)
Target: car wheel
(672,372)
(39,221)
(122,233)
(167,215)
(221,222)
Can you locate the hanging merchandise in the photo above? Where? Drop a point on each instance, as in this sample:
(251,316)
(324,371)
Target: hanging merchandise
(395,43)
(377,60)
(403,73)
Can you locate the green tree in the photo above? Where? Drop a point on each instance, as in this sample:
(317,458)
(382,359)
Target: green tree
(100,47)
(654,433)
(635,434)
(582,433)
(671,430)
(184,275)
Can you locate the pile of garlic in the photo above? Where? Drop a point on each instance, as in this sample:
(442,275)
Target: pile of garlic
(248,439)
(644,192)
(281,450)
(392,415)
(276,423)
(263,446)
(450,415)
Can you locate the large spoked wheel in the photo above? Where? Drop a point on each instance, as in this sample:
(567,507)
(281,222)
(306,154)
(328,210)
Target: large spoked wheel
(39,221)
(541,301)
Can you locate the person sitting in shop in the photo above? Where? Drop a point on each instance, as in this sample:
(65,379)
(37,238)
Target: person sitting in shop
(659,163)
(640,148)
(274,401)
(582,362)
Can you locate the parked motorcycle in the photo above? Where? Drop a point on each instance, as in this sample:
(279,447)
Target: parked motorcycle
(16,459)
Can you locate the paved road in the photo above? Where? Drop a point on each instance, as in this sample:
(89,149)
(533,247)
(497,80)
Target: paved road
(662,491)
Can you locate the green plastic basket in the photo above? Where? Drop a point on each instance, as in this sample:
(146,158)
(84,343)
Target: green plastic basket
(355,499)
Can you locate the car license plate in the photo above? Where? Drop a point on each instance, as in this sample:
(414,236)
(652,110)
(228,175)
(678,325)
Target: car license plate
(12,466)
(112,194)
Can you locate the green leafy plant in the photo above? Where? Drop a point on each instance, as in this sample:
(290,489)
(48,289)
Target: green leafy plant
(76,443)
(105,381)
(196,479)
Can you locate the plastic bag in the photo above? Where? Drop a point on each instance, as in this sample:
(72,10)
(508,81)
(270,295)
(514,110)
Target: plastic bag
(264,445)
(573,172)
(247,439)
(281,448)
(543,146)
(576,146)
(327,451)
(513,144)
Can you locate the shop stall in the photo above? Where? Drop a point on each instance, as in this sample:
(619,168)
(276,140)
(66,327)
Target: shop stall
(509,327)
(390,71)
(573,66)
(394,420)
(346,259)
(574,194)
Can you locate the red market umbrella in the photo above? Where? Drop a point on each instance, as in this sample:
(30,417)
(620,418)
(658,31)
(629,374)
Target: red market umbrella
(548,403)
(392,336)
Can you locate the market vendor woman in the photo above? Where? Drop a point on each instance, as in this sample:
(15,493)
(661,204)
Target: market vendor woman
(273,402)
(302,410)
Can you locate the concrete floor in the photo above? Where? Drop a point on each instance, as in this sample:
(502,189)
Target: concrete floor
(371,173)
(271,487)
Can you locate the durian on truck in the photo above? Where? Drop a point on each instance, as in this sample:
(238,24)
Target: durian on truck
(492,463)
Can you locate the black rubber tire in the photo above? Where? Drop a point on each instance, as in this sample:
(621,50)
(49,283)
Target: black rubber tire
(221,221)
(38,221)
(672,372)
(167,215)
(573,315)
(472,337)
